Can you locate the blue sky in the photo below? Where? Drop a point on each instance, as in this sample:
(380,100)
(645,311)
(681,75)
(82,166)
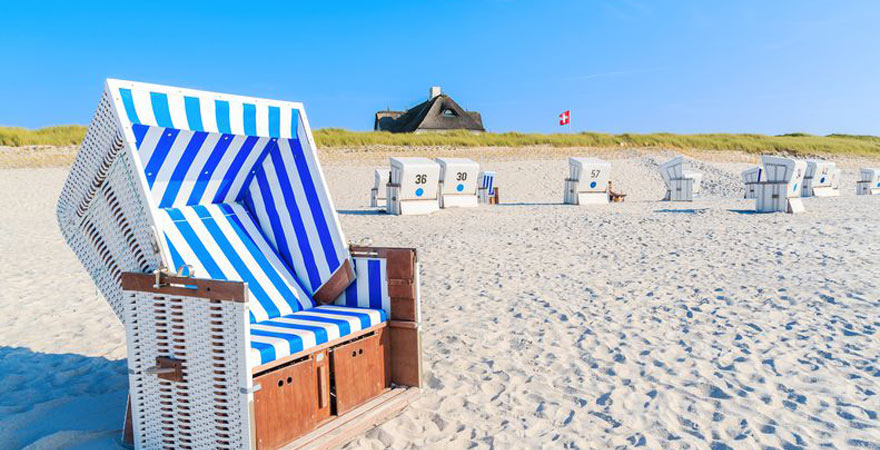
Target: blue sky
(620,66)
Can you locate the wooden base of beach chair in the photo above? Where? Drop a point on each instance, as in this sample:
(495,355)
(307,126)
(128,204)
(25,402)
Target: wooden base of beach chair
(320,388)
(494,199)
(355,422)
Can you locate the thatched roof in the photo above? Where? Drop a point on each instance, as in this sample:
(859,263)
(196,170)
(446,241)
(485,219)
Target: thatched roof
(437,114)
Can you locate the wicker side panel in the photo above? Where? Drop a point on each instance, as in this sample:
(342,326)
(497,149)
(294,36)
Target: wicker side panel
(101,211)
(209,408)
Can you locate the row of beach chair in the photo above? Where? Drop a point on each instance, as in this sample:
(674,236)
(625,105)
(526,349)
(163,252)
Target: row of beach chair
(422,185)
(206,222)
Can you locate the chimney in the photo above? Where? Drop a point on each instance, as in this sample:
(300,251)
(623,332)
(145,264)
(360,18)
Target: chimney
(435,91)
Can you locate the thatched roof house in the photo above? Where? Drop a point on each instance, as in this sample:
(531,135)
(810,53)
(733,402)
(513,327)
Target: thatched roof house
(439,113)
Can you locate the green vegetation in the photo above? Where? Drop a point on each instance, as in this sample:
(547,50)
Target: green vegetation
(57,136)
(792,143)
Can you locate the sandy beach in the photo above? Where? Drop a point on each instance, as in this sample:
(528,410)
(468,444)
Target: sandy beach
(643,324)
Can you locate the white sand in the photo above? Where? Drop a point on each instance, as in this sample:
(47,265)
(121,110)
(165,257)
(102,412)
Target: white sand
(667,325)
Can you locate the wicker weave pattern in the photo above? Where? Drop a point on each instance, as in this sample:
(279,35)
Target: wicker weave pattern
(209,409)
(101,212)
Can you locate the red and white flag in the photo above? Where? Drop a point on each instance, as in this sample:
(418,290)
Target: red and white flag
(565,118)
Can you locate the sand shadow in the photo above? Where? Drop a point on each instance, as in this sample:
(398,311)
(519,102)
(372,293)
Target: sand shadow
(683,211)
(61,400)
(362,212)
(744,211)
(530,204)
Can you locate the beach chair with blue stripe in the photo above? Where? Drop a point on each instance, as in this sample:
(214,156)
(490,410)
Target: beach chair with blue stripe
(206,222)
(751,177)
(486,189)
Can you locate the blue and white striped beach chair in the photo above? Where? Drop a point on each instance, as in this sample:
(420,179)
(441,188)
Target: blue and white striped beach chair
(486,187)
(270,318)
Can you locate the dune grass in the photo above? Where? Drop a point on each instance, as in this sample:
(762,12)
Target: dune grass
(795,143)
(801,144)
(56,136)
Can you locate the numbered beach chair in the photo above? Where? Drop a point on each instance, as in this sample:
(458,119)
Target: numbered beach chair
(751,177)
(487,192)
(207,224)
(587,182)
(869,182)
(379,192)
(820,179)
(682,182)
(780,191)
(458,182)
(414,186)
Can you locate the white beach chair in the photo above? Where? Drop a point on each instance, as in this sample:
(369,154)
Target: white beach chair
(780,190)
(486,190)
(273,332)
(378,194)
(751,177)
(587,182)
(458,182)
(869,182)
(819,179)
(414,186)
(682,182)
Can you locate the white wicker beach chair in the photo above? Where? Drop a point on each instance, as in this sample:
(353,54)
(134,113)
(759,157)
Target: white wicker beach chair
(458,182)
(414,186)
(751,177)
(206,222)
(869,182)
(820,178)
(780,189)
(587,181)
(378,194)
(486,189)
(682,182)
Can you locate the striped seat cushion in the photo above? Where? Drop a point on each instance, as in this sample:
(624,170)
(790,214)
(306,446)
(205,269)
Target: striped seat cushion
(223,242)
(283,336)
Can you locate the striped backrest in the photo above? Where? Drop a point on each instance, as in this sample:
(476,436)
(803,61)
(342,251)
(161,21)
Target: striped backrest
(370,289)
(196,148)
(224,242)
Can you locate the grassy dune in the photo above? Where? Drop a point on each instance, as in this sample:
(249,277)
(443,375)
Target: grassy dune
(57,136)
(795,143)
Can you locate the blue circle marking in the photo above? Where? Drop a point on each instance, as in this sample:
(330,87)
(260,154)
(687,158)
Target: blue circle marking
(878,184)
(419,192)
(822,180)
(794,188)
(460,187)
(593,184)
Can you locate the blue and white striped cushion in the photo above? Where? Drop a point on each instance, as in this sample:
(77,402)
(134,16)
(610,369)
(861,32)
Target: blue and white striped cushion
(199,147)
(293,206)
(224,242)
(370,289)
(184,168)
(283,336)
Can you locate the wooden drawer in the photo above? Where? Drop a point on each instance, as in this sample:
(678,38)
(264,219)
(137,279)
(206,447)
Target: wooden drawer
(361,370)
(289,402)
